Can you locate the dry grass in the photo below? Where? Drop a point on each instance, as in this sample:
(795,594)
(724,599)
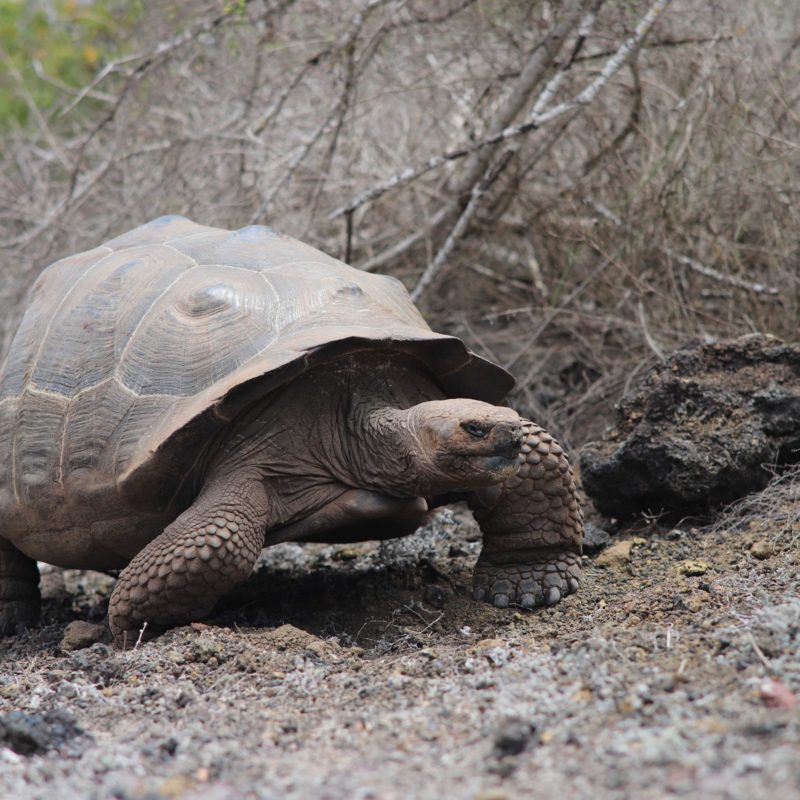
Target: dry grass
(665,209)
(773,513)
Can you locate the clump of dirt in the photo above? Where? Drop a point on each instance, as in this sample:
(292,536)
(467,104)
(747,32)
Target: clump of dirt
(367,671)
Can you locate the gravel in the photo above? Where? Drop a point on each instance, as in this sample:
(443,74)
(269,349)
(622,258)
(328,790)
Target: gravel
(365,671)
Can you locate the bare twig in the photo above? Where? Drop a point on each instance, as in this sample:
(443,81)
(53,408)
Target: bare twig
(396,250)
(759,652)
(348,247)
(722,277)
(480,188)
(141,635)
(33,109)
(412,173)
(354,67)
(693,264)
(623,53)
(662,43)
(534,71)
(152,56)
(651,342)
(146,62)
(263,121)
(555,311)
(38,68)
(534,121)
(335,115)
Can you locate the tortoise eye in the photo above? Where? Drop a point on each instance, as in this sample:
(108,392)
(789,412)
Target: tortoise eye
(474,429)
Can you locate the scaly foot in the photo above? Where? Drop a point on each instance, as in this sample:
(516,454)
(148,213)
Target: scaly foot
(514,578)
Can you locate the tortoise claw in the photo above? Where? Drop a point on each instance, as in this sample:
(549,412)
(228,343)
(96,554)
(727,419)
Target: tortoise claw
(528,601)
(500,601)
(553,596)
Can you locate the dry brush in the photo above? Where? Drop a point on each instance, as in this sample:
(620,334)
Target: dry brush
(574,187)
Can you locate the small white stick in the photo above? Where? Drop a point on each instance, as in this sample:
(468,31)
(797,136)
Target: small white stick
(141,634)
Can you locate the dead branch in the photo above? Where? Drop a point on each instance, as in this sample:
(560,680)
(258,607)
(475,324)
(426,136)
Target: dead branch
(534,121)
(580,13)
(478,191)
(693,264)
(335,116)
(152,56)
(405,244)
(623,53)
(354,68)
(33,109)
(710,272)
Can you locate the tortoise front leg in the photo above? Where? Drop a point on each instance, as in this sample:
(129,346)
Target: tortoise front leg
(180,575)
(20,600)
(532,527)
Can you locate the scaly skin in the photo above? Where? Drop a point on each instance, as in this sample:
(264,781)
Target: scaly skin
(533,529)
(181,574)
(20,600)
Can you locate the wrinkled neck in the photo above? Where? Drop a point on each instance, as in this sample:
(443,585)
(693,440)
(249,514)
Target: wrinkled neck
(388,455)
(349,422)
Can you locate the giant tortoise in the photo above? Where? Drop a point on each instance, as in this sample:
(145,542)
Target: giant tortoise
(182,396)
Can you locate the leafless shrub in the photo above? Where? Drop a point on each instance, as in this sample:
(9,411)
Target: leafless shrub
(582,184)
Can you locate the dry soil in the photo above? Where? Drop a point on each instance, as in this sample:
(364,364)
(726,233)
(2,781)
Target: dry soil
(366,671)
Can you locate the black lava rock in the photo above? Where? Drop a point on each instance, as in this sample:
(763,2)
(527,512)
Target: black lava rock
(595,539)
(702,429)
(513,736)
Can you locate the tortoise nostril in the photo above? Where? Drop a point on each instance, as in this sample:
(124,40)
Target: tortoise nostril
(509,438)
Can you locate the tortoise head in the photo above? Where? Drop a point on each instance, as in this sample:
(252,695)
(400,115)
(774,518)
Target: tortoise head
(462,444)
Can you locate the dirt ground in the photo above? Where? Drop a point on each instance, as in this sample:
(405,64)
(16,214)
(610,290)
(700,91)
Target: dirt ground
(366,671)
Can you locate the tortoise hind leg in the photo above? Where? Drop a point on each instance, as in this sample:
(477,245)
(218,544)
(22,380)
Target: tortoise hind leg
(20,600)
(533,529)
(179,576)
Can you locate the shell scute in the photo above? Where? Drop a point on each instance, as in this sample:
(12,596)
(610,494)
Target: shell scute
(205,325)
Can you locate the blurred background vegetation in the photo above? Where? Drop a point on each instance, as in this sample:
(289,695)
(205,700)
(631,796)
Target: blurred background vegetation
(50,48)
(576,252)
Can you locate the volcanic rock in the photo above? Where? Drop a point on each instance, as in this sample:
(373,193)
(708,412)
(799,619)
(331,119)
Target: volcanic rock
(705,426)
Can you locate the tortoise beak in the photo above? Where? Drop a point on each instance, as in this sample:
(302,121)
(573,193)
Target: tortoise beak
(507,438)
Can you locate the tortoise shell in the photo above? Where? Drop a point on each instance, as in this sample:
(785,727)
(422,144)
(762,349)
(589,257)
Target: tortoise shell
(131,357)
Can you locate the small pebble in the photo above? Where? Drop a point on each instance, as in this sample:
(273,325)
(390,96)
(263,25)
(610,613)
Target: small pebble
(79,635)
(775,694)
(28,734)
(493,794)
(434,596)
(489,644)
(618,555)
(693,567)
(762,549)
(695,601)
